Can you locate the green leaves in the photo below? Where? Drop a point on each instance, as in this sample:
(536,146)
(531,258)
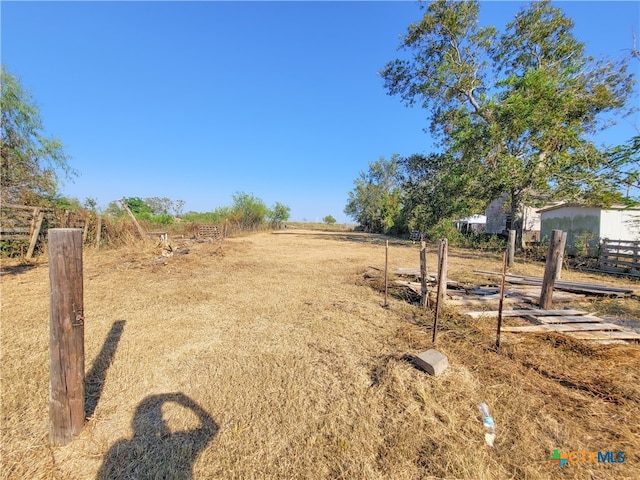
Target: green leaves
(248,210)
(435,187)
(375,201)
(31,163)
(278,214)
(517,110)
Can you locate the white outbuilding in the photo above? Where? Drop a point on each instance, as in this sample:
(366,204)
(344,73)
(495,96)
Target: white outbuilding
(587,226)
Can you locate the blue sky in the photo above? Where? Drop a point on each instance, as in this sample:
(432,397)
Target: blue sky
(198,100)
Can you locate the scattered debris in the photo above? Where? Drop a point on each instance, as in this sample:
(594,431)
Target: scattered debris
(489,424)
(574,323)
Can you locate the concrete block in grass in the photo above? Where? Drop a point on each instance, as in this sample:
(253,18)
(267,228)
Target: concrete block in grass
(432,361)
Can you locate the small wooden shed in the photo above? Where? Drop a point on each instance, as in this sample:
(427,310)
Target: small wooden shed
(587,226)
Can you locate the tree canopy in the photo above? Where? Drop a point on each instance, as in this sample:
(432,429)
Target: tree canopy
(375,200)
(623,165)
(435,188)
(515,112)
(278,214)
(248,211)
(32,164)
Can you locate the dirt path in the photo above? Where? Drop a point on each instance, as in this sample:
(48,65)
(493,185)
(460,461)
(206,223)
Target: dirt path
(262,357)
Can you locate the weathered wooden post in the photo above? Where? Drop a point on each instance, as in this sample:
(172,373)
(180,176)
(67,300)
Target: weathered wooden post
(443,250)
(512,247)
(424,293)
(66,335)
(563,244)
(35,234)
(386,273)
(501,303)
(550,269)
(85,229)
(443,258)
(98,231)
(141,232)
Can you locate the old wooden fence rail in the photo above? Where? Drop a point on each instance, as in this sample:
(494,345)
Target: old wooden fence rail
(29,224)
(620,256)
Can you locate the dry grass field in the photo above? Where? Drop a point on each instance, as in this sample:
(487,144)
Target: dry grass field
(271,357)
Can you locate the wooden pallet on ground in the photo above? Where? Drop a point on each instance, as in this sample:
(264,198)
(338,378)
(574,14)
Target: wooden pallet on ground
(574,323)
(575,287)
(521,313)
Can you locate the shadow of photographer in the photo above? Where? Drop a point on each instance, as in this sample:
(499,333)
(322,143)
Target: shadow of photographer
(155,451)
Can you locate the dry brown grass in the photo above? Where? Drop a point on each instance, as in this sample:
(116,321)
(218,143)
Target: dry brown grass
(268,357)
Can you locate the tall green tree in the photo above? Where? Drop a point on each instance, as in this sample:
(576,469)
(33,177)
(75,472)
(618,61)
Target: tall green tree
(248,210)
(375,200)
(433,189)
(32,164)
(516,111)
(278,214)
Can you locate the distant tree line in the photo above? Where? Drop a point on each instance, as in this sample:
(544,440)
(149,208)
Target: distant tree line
(247,212)
(512,112)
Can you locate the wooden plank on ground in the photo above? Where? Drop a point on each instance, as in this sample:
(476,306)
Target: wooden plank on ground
(622,335)
(558,297)
(484,291)
(520,313)
(585,327)
(414,272)
(568,319)
(562,285)
(22,236)
(19,229)
(408,271)
(486,301)
(565,327)
(527,329)
(416,286)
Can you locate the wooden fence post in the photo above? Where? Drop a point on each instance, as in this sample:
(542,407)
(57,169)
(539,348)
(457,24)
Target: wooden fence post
(386,273)
(604,250)
(442,269)
(35,235)
(511,247)
(85,230)
(563,244)
(66,335)
(424,293)
(501,302)
(142,233)
(34,218)
(98,231)
(550,269)
(443,250)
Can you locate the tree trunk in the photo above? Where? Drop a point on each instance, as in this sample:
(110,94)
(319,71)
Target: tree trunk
(516,199)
